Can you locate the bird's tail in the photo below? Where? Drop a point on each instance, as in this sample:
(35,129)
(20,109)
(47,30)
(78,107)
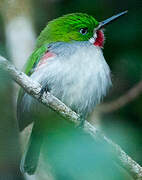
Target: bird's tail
(31,155)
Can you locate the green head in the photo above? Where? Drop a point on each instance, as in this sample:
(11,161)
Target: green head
(72,27)
(68,28)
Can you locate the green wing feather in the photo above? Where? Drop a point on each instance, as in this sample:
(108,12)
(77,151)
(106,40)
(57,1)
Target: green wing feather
(34,59)
(30,158)
(29,69)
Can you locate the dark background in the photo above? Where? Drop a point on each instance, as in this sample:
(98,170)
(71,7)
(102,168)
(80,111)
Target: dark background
(123,52)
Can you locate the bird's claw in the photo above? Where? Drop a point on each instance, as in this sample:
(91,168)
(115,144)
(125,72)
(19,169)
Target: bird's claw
(44,89)
(81,122)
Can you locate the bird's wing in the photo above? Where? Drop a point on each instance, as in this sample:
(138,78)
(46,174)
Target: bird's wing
(34,59)
(29,69)
(30,158)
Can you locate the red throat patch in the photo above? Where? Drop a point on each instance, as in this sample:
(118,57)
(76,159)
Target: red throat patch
(100,39)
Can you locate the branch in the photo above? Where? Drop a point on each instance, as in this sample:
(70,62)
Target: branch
(122,101)
(33,88)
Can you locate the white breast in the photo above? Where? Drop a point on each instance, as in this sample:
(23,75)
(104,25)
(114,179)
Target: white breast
(79,75)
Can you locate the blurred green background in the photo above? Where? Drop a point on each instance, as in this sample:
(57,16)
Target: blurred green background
(122,50)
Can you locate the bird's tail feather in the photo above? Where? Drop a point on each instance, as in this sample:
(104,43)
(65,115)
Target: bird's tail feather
(31,155)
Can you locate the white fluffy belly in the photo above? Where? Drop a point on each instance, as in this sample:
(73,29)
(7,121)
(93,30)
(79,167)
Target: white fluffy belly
(79,75)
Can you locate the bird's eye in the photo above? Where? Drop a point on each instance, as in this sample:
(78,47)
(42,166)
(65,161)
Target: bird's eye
(84,31)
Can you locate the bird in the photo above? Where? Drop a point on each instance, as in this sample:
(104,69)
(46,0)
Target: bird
(68,62)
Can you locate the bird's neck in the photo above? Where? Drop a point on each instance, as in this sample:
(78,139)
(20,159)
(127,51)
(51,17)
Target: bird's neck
(100,39)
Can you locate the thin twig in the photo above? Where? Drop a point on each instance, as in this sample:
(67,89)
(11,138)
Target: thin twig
(122,101)
(33,88)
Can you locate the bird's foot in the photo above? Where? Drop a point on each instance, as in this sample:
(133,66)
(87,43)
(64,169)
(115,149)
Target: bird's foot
(44,89)
(81,122)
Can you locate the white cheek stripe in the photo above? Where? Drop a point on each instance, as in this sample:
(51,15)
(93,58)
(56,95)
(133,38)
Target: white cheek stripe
(93,39)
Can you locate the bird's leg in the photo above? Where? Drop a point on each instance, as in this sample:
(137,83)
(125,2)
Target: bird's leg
(81,121)
(44,89)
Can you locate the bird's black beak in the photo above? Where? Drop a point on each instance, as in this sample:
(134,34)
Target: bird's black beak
(109,20)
